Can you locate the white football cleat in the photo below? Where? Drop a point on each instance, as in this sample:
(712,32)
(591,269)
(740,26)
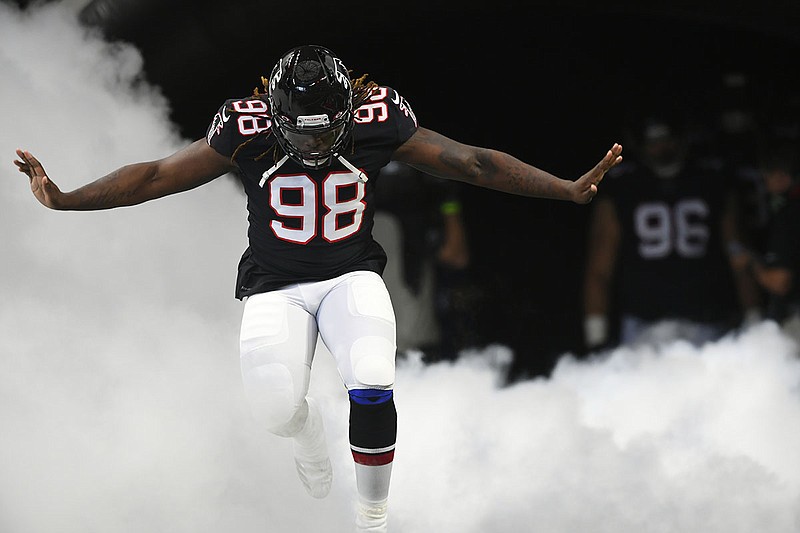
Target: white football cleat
(371,517)
(311,454)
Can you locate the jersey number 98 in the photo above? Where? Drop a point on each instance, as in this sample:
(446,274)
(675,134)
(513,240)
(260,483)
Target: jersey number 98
(331,209)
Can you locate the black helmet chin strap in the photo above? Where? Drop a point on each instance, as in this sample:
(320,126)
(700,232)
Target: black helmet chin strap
(274,168)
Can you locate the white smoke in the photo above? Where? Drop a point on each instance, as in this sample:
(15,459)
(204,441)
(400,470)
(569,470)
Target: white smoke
(121,408)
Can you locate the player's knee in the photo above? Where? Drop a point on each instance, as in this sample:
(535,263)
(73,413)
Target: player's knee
(373,362)
(270,390)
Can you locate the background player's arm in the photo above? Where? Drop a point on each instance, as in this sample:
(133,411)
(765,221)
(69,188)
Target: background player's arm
(440,156)
(603,246)
(454,252)
(746,285)
(133,184)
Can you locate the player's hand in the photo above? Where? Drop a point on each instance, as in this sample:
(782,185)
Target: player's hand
(42,187)
(586,186)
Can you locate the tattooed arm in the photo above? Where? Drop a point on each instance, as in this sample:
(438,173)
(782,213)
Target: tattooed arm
(443,157)
(186,169)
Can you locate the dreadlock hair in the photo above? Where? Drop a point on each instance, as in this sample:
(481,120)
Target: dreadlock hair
(362,91)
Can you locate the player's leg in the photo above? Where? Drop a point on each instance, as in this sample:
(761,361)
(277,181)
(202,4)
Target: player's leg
(357,323)
(277,342)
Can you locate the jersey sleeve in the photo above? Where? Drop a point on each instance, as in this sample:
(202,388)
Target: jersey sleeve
(406,119)
(236,122)
(221,130)
(387,115)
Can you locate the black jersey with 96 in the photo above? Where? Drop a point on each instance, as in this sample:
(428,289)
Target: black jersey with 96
(673,263)
(303,224)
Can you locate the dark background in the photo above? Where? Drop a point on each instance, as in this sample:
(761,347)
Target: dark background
(555,86)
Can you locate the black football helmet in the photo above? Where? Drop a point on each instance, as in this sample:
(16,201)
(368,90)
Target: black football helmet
(310,98)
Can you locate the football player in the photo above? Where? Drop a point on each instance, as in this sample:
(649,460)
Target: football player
(659,246)
(776,264)
(309,151)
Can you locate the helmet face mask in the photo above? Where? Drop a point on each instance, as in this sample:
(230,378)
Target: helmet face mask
(312,146)
(310,97)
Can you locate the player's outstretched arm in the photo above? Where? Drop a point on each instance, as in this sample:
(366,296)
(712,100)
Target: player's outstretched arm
(132,184)
(440,156)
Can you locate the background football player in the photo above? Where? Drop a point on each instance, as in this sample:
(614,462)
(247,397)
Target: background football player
(659,241)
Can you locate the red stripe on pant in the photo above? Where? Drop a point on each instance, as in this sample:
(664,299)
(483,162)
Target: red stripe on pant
(370,459)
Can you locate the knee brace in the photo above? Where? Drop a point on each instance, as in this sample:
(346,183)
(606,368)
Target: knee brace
(373,426)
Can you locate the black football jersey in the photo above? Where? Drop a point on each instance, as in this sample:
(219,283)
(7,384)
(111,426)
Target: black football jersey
(303,224)
(672,262)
